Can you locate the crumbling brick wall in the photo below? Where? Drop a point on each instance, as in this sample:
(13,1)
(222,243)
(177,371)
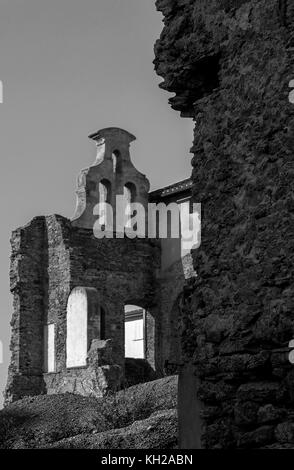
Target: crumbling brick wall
(229,63)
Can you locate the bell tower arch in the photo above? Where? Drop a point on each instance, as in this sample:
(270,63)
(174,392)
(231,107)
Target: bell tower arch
(113,169)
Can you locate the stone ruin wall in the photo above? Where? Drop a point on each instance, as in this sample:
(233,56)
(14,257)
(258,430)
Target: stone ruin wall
(62,277)
(229,63)
(49,259)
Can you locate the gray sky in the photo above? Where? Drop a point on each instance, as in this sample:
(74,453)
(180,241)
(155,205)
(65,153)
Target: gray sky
(69,68)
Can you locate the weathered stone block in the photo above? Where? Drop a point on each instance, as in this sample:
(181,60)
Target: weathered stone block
(284,432)
(245,413)
(257,438)
(100,353)
(269,413)
(260,392)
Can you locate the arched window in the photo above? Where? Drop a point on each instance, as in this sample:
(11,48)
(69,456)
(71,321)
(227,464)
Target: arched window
(115,160)
(85,321)
(129,198)
(77,328)
(104,191)
(104,199)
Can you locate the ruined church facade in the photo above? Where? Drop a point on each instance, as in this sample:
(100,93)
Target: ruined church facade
(70,288)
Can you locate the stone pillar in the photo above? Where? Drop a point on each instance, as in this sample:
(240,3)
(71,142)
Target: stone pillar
(28,283)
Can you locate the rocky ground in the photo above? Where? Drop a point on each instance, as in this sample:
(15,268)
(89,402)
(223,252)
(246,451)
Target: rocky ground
(140,417)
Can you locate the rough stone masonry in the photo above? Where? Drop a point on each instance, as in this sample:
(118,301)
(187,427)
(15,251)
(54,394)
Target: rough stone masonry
(229,63)
(70,288)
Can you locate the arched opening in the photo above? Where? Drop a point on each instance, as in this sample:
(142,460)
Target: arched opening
(131,191)
(104,190)
(139,345)
(116,160)
(104,200)
(86,320)
(77,328)
(129,198)
(134,332)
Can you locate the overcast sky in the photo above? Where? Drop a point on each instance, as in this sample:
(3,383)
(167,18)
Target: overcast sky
(69,68)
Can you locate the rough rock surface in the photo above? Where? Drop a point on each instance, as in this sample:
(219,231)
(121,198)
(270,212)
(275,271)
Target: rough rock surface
(159,431)
(142,416)
(229,63)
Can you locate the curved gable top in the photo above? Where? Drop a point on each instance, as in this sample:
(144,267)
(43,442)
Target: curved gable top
(112,132)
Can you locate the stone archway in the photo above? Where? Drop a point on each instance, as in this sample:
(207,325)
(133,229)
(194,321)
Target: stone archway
(85,321)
